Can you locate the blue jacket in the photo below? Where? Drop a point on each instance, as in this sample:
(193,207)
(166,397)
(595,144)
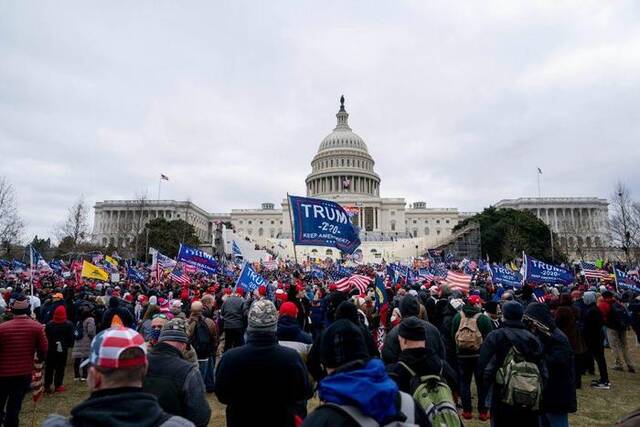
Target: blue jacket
(289,330)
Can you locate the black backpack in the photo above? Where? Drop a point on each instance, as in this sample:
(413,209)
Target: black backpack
(78,330)
(201,339)
(619,317)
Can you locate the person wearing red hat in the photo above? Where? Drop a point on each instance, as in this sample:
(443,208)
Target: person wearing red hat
(468,330)
(60,337)
(289,332)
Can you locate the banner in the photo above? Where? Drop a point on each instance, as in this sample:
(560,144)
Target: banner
(319,222)
(503,276)
(198,258)
(249,279)
(536,271)
(135,275)
(381,293)
(626,282)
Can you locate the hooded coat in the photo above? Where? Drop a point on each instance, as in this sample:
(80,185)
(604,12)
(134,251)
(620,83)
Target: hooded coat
(123,407)
(365,385)
(409,306)
(559,393)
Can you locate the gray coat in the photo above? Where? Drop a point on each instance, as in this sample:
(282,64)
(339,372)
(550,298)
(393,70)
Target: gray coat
(82,347)
(233,312)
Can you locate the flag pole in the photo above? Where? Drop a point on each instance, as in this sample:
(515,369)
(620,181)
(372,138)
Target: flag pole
(31,271)
(159,183)
(295,255)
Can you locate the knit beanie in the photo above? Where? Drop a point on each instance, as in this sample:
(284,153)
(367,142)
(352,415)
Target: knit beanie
(342,342)
(540,315)
(411,329)
(174,330)
(60,314)
(409,306)
(491,307)
(263,317)
(512,310)
(288,309)
(347,310)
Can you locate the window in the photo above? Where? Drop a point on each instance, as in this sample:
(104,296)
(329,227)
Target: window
(260,231)
(272,222)
(393,226)
(426,231)
(415,221)
(437,221)
(249,222)
(447,221)
(260,222)
(392,213)
(249,231)
(438,232)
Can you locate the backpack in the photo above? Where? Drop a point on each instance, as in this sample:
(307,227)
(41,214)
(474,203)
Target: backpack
(619,317)
(78,331)
(407,407)
(201,339)
(521,380)
(468,336)
(435,397)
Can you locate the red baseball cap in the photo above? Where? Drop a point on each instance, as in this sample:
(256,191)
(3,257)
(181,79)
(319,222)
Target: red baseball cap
(474,299)
(288,309)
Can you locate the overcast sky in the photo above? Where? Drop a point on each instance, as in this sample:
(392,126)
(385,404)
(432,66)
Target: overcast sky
(458,102)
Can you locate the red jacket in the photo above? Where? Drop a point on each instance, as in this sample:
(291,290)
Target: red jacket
(20,339)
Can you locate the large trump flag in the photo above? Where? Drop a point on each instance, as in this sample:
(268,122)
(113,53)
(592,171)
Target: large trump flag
(318,222)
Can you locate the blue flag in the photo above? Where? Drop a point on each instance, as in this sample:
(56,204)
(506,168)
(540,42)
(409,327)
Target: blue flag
(381,293)
(198,258)
(135,275)
(235,249)
(625,281)
(5,264)
(37,259)
(318,222)
(249,279)
(504,276)
(19,265)
(316,273)
(536,271)
(56,265)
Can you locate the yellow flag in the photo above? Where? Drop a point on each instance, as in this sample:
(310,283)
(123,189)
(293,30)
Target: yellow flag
(111,261)
(91,271)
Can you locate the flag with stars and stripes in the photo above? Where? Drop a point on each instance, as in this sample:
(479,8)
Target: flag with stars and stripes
(357,280)
(458,280)
(590,271)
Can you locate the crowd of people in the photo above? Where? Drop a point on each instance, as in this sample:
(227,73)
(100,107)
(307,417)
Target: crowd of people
(150,351)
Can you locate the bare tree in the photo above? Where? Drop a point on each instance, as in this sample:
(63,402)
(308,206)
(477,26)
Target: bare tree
(138,221)
(11,225)
(76,227)
(624,221)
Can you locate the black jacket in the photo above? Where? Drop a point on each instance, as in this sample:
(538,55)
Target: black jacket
(177,384)
(391,348)
(559,394)
(593,323)
(59,333)
(116,308)
(326,416)
(496,346)
(261,382)
(289,330)
(422,361)
(122,407)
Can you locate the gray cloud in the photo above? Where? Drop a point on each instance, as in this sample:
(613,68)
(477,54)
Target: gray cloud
(458,102)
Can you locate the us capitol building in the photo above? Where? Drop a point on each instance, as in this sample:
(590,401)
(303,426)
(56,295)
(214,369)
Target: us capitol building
(343,171)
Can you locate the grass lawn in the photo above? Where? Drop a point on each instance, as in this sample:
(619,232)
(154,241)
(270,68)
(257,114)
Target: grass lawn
(595,407)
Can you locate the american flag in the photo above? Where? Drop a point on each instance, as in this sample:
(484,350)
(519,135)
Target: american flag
(188,268)
(538,294)
(37,386)
(163,176)
(458,280)
(359,281)
(592,272)
(179,276)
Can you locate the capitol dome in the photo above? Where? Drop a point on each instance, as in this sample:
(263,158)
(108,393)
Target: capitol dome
(343,165)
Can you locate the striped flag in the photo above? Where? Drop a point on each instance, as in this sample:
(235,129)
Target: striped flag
(235,249)
(359,281)
(37,386)
(178,275)
(538,294)
(592,272)
(458,280)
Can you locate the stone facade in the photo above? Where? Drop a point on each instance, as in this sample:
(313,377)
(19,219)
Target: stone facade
(580,223)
